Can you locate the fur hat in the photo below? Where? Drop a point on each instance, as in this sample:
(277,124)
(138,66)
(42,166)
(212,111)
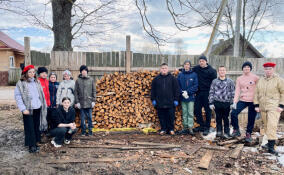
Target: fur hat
(41,70)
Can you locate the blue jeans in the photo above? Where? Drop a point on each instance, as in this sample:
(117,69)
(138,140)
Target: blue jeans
(86,112)
(241,105)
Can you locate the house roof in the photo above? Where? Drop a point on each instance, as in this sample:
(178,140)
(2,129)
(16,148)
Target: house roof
(11,43)
(220,47)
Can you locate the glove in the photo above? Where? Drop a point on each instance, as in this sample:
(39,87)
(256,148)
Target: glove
(258,116)
(176,103)
(154,103)
(93,104)
(234,106)
(185,95)
(212,107)
(78,105)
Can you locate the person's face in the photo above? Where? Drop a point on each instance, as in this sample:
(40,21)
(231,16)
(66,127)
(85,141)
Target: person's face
(66,77)
(66,104)
(222,71)
(43,75)
(268,71)
(31,73)
(84,73)
(246,69)
(52,78)
(186,66)
(164,70)
(202,63)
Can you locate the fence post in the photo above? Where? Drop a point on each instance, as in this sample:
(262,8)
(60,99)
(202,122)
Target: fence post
(128,54)
(27,51)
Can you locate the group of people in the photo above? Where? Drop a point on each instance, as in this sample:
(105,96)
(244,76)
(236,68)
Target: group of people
(47,106)
(199,87)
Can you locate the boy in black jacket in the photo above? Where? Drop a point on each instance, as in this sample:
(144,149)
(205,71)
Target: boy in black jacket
(164,96)
(206,74)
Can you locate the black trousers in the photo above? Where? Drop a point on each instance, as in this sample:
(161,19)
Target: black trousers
(222,110)
(61,133)
(167,118)
(31,128)
(201,100)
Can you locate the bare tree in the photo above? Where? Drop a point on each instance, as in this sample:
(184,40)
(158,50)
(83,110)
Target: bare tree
(70,18)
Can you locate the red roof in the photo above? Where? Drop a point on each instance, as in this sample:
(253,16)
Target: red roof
(9,42)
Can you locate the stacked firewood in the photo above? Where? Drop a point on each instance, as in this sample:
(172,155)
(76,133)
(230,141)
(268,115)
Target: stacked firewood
(123,101)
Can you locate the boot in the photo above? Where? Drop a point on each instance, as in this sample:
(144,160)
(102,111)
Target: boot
(219,134)
(226,135)
(271,150)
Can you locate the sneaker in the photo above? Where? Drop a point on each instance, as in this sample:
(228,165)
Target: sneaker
(83,134)
(183,132)
(190,131)
(226,136)
(67,142)
(219,134)
(172,133)
(265,146)
(55,144)
(236,133)
(90,133)
(162,132)
(248,138)
(37,149)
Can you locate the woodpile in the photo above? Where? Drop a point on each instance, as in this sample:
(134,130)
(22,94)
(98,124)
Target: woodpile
(123,101)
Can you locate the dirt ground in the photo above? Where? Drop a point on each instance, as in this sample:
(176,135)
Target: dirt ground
(15,158)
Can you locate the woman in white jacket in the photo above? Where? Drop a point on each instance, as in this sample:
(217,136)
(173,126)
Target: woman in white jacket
(66,88)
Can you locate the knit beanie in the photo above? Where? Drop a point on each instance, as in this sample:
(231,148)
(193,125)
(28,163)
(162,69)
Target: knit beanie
(187,61)
(41,70)
(66,72)
(247,63)
(202,57)
(83,67)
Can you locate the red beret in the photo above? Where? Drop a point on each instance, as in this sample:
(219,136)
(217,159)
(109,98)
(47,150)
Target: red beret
(27,68)
(269,64)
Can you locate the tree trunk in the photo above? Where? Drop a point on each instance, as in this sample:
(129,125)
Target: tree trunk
(62,30)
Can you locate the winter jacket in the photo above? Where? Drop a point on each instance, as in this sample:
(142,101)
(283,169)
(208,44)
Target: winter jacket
(245,87)
(188,81)
(222,91)
(85,91)
(269,93)
(61,116)
(205,77)
(53,86)
(165,90)
(45,87)
(65,89)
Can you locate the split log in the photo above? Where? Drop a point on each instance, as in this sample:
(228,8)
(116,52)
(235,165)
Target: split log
(230,142)
(217,148)
(205,160)
(236,152)
(155,144)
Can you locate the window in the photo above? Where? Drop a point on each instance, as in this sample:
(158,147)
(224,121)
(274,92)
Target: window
(12,61)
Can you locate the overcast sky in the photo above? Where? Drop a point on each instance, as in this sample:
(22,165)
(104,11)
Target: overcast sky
(269,42)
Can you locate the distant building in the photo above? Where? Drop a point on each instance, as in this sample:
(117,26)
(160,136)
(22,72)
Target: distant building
(11,56)
(227,48)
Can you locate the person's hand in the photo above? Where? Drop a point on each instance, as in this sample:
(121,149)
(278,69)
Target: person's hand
(176,103)
(26,112)
(73,126)
(93,104)
(279,109)
(212,107)
(257,109)
(154,103)
(234,106)
(78,105)
(185,94)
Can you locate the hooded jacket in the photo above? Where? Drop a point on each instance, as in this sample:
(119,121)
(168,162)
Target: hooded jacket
(53,86)
(61,116)
(205,77)
(85,91)
(45,87)
(66,89)
(188,81)
(165,90)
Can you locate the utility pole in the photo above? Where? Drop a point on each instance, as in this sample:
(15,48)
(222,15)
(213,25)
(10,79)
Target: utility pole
(237,29)
(216,26)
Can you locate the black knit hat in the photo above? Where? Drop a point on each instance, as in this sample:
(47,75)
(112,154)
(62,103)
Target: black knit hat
(202,57)
(41,70)
(247,63)
(83,67)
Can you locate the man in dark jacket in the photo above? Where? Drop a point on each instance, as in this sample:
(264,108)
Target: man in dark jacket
(164,96)
(188,83)
(85,97)
(206,74)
